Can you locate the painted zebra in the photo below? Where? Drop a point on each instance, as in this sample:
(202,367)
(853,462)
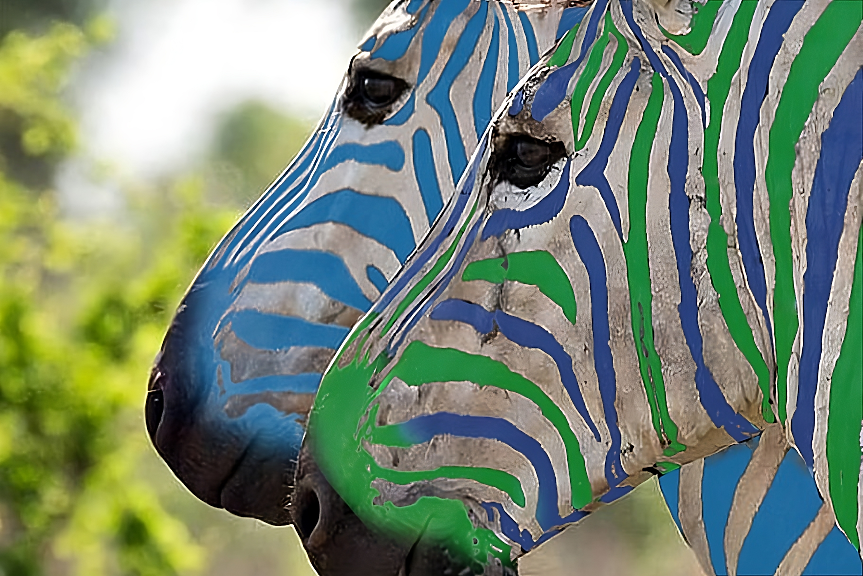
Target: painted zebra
(544,351)
(239,366)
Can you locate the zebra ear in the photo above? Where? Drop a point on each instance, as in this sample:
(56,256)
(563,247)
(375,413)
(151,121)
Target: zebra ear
(370,95)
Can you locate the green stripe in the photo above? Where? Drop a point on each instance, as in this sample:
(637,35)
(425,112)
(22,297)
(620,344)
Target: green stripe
(588,72)
(717,240)
(561,55)
(702,23)
(598,95)
(536,268)
(422,363)
(822,46)
(638,272)
(846,411)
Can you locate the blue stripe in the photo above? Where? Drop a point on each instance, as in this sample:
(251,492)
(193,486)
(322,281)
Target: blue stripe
(369,44)
(522,333)
(569,19)
(836,556)
(517,103)
(591,255)
(508,526)
(388,153)
(530,37)
(439,97)
(325,270)
(594,173)
(513,71)
(769,42)
(543,211)
(271,332)
(435,32)
(404,113)
(426,175)
(423,428)
(377,217)
(693,83)
(377,278)
(841,153)
(670,485)
(722,415)
(397,44)
(482,96)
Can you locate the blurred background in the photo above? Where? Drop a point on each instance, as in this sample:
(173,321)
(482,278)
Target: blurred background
(133,133)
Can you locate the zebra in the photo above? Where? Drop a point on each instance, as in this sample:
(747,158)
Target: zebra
(543,352)
(231,387)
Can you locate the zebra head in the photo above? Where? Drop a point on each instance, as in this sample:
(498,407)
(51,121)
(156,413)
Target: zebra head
(239,366)
(557,338)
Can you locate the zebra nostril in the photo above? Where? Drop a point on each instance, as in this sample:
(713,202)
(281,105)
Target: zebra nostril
(153,410)
(307,513)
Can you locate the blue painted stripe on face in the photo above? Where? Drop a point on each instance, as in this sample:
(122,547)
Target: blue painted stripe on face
(543,211)
(513,72)
(508,526)
(522,333)
(553,90)
(377,278)
(271,332)
(841,153)
(325,270)
(441,233)
(770,538)
(404,113)
(722,472)
(444,15)
(770,40)
(301,383)
(439,97)
(388,153)
(669,484)
(529,37)
(591,255)
(836,555)
(568,20)
(517,103)
(377,217)
(369,44)
(693,83)
(413,6)
(482,96)
(396,45)
(714,402)
(615,493)
(594,173)
(426,175)
(424,428)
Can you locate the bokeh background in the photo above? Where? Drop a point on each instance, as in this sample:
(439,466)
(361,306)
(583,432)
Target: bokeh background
(133,133)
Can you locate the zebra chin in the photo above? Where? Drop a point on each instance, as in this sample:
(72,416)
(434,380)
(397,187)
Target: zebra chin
(338,543)
(231,460)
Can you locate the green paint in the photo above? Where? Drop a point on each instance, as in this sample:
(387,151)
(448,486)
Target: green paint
(822,46)
(588,72)
(635,251)
(561,55)
(846,411)
(598,95)
(422,363)
(666,467)
(717,240)
(442,261)
(342,401)
(702,24)
(536,268)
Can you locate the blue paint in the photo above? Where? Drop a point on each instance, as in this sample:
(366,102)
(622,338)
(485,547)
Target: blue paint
(779,523)
(841,153)
(553,90)
(722,471)
(836,555)
(522,333)
(615,493)
(770,40)
(543,211)
(568,20)
(396,45)
(508,526)
(423,428)
(369,44)
(327,271)
(591,255)
(669,483)
(377,217)
(426,175)
(439,97)
(413,6)
(513,70)
(435,31)
(693,83)
(714,402)
(388,153)
(404,113)
(302,383)
(271,332)
(529,37)
(517,103)
(483,94)
(594,173)
(377,278)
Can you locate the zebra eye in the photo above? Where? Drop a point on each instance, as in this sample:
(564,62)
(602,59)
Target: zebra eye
(525,161)
(370,95)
